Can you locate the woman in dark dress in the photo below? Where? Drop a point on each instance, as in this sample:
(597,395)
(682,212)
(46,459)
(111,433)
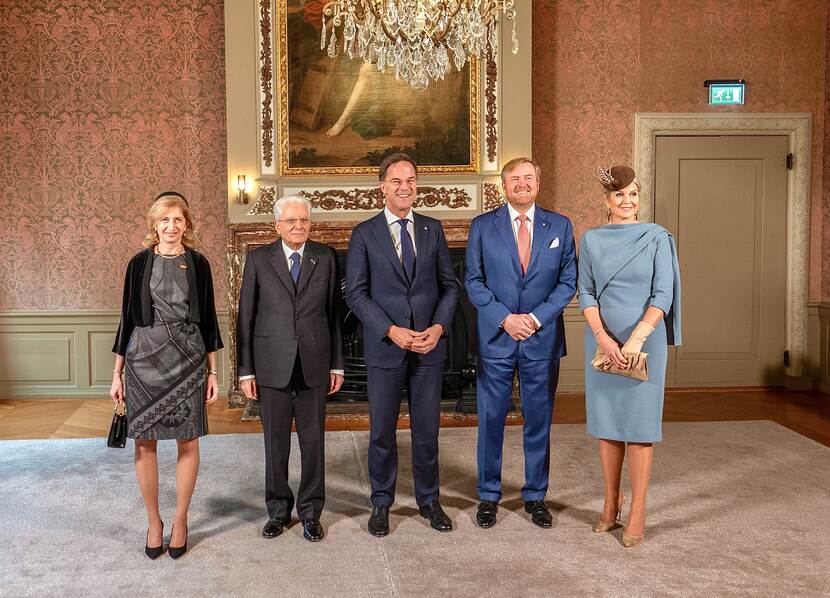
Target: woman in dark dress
(166,351)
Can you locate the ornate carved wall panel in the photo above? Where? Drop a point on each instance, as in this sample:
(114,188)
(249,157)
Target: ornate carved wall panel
(365,199)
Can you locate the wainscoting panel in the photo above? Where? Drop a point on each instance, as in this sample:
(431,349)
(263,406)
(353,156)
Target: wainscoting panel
(571,374)
(823,378)
(100,357)
(66,354)
(44,358)
(69,354)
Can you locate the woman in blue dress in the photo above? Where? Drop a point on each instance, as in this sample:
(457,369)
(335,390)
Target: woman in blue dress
(629,293)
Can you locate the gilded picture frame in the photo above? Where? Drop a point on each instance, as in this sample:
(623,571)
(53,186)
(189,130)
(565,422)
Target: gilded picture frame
(340,116)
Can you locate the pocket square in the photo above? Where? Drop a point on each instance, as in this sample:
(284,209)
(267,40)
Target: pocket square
(554,244)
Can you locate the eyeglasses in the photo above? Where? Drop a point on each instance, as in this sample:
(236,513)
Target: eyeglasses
(296,221)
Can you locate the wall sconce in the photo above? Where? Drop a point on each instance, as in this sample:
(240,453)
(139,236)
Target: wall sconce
(240,187)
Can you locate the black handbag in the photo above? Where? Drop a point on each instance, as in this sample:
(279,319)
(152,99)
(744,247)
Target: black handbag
(117,437)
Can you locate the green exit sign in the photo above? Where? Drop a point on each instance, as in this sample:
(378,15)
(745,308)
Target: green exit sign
(726,92)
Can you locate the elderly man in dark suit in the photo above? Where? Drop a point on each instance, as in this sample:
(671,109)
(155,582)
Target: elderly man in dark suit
(400,284)
(290,356)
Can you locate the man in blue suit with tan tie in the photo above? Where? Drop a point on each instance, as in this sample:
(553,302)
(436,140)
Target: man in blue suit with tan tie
(400,284)
(520,276)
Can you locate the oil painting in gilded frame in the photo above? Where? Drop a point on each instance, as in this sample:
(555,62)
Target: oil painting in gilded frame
(342,116)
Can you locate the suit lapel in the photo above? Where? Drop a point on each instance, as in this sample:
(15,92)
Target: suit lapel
(307,267)
(387,246)
(505,230)
(541,230)
(280,266)
(422,234)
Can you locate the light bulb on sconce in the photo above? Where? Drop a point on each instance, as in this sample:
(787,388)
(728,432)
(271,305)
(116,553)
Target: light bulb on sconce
(240,187)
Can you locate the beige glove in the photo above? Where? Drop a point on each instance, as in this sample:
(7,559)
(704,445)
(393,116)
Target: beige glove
(638,337)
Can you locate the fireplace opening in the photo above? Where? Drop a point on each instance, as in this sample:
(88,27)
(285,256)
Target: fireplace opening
(458,388)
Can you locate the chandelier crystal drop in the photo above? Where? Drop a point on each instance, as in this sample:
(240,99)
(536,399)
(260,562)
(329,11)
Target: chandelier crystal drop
(420,40)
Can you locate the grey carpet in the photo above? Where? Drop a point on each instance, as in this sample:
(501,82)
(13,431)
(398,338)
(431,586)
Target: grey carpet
(736,509)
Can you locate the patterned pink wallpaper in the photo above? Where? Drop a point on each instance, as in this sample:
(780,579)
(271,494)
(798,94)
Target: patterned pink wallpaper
(600,62)
(825,227)
(103,105)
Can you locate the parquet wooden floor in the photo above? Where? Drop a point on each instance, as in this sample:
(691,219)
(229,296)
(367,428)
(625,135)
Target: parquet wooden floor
(807,413)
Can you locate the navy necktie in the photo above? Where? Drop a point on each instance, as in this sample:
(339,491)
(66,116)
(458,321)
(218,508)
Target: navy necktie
(407,251)
(295,266)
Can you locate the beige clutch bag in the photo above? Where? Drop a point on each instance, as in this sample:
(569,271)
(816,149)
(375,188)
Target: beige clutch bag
(638,369)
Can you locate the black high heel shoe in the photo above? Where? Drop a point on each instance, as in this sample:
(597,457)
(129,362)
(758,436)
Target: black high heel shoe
(177,551)
(154,552)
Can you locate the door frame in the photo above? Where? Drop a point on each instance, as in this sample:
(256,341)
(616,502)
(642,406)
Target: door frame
(798,129)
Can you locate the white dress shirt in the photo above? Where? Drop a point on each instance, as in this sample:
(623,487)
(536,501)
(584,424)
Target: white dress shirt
(395,229)
(288,253)
(514,214)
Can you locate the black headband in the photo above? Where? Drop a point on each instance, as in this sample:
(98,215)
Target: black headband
(177,194)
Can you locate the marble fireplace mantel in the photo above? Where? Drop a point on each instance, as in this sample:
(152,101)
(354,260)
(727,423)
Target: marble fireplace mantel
(245,236)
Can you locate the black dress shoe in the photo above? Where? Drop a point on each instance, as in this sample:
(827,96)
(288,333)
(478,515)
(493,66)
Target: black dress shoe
(273,527)
(486,513)
(539,513)
(437,517)
(177,551)
(312,530)
(379,521)
(154,552)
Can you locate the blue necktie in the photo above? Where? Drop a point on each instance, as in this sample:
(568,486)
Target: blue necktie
(407,251)
(295,266)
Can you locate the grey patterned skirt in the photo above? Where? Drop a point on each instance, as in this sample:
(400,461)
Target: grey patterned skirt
(165,381)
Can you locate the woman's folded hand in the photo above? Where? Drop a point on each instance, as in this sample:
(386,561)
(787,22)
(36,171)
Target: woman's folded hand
(608,346)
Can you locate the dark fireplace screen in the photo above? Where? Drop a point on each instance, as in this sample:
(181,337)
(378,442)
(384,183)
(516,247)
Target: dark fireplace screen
(458,387)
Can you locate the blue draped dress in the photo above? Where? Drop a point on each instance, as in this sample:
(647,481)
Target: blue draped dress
(623,270)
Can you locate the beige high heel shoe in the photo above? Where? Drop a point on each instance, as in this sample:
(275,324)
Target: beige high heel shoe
(604,526)
(630,541)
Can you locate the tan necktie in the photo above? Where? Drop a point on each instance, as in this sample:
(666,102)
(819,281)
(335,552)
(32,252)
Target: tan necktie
(524,242)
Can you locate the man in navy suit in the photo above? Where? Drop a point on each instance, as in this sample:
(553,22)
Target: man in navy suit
(400,284)
(520,275)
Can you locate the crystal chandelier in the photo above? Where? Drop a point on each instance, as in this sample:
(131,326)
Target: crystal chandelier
(416,38)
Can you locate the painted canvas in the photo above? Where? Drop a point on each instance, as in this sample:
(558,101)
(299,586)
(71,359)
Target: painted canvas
(342,116)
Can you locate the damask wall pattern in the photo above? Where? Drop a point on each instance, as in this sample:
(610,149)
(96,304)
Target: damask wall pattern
(825,227)
(600,62)
(103,104)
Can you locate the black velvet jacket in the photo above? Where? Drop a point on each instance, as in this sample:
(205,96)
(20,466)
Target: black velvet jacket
(137,307)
